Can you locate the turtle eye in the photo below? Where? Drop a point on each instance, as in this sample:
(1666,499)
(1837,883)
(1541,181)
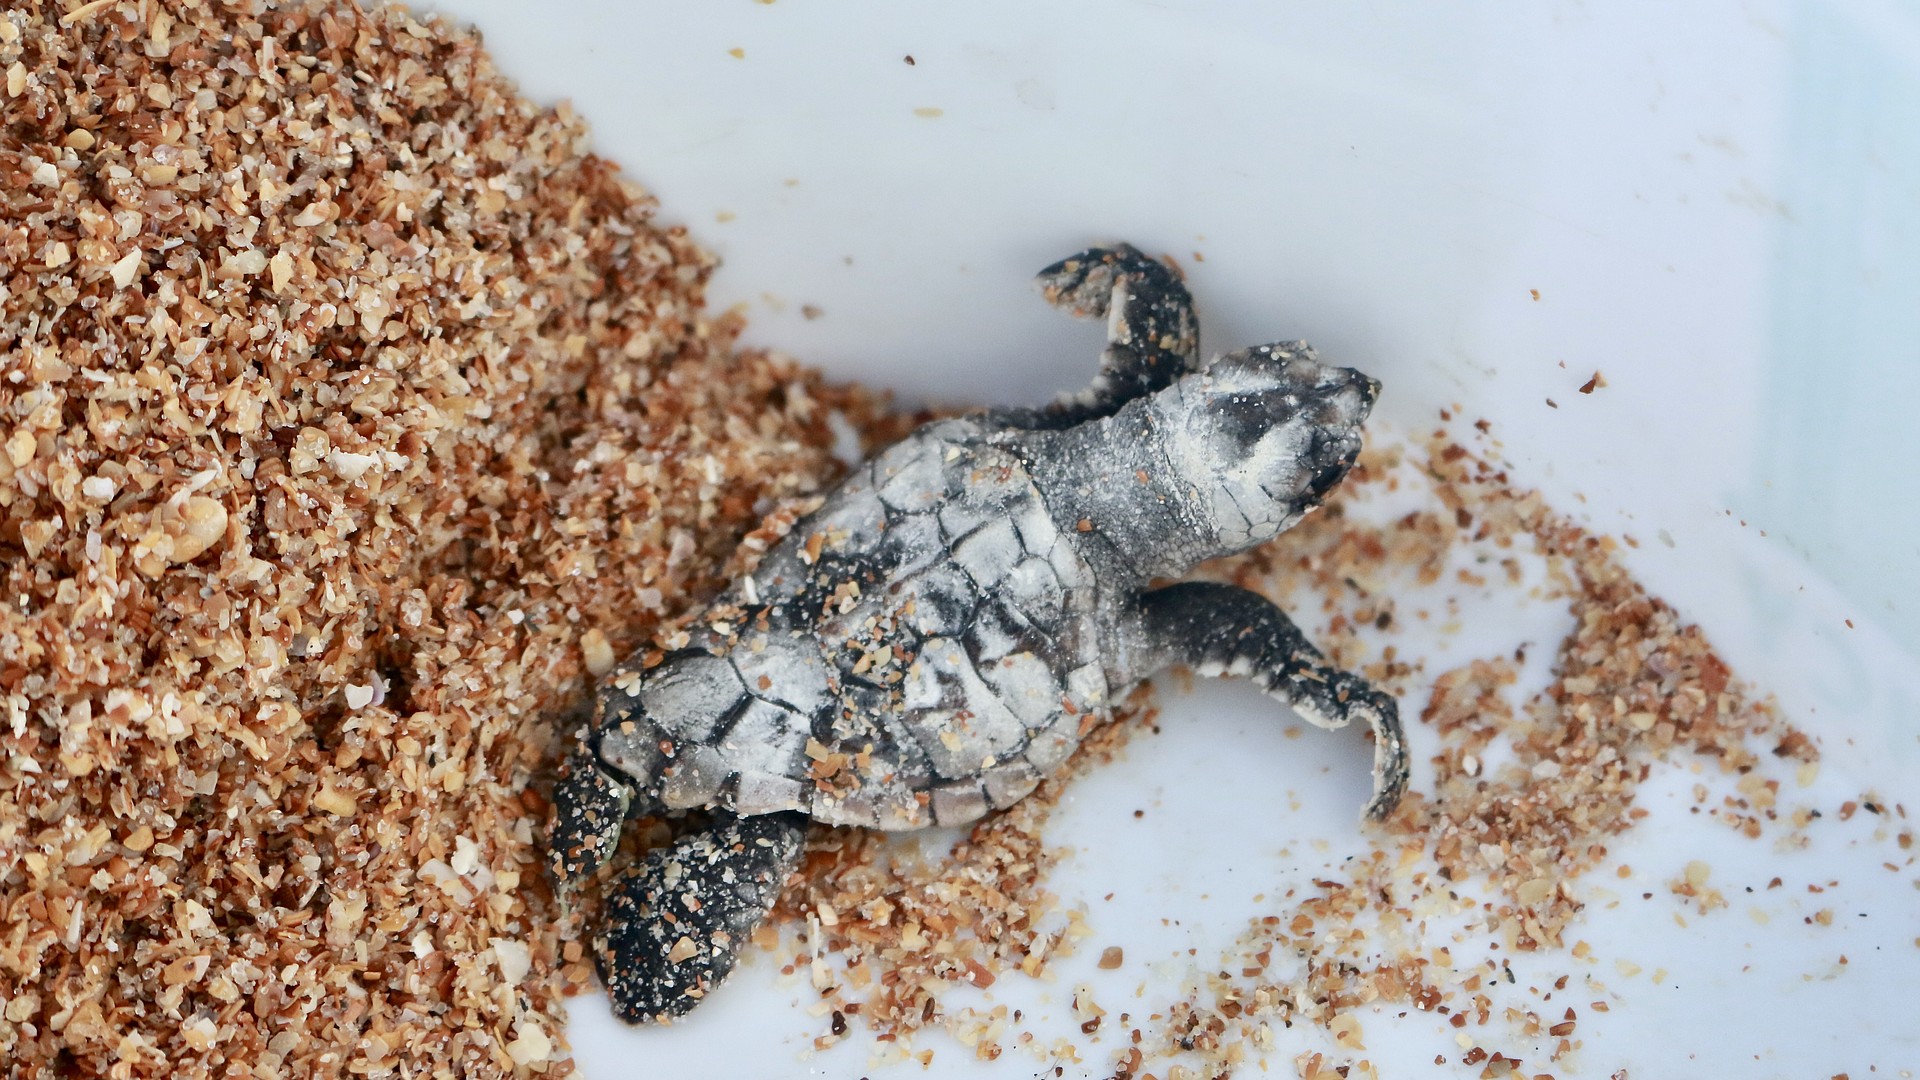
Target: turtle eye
(1240,421)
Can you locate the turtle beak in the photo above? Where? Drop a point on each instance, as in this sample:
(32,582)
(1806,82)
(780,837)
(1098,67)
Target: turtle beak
(1339,404)
(1341,398)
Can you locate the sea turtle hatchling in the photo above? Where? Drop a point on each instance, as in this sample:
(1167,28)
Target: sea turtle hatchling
(955,617)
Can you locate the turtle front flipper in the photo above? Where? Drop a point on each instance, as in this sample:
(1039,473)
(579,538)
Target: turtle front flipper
(1153,336)
(1224,630)
(675,923)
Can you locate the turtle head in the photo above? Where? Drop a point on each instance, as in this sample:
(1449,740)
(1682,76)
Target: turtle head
(1260,436)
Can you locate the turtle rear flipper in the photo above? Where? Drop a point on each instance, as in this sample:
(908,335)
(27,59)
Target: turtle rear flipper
(1153,336)
(590,804)
(676,922)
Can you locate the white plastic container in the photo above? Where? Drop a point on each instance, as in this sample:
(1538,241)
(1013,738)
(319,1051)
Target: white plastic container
(1715,205)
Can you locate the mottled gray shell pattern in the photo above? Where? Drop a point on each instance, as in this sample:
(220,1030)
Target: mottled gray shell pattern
(921,650)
